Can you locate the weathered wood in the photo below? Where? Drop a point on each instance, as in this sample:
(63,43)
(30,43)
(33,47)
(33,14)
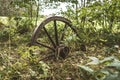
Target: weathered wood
(57,48)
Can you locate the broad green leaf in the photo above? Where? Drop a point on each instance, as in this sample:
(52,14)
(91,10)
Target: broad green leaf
(101,74)
(108,59)
(115,65)
(86,68)
(112,77)
(94,61)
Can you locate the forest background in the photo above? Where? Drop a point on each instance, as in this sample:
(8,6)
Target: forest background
(97,23)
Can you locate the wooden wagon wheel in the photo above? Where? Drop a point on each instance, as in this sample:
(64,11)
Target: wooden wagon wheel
(54,35)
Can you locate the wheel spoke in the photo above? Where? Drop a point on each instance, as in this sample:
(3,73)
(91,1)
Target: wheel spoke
(63,32)
(38,44)
(49,37)
(56,39)
(56,33)
(75,31)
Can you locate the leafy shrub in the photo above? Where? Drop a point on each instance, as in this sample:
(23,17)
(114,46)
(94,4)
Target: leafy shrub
(24,26)
(106,69)
(22,65)
(6,34)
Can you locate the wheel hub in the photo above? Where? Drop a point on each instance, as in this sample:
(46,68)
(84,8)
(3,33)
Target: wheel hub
(62,51)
